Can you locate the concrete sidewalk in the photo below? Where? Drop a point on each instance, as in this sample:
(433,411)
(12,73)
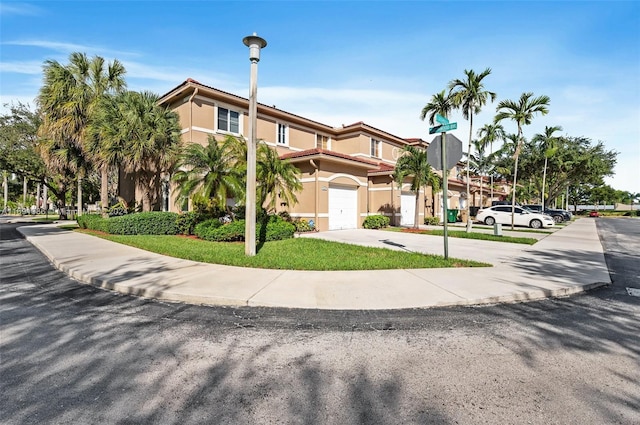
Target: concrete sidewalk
(568,261)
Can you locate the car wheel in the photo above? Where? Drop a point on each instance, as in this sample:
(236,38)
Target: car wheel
(535,224)
(558,218)
(489,221)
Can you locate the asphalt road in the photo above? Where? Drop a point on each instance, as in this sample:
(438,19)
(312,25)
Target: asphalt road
(74,354)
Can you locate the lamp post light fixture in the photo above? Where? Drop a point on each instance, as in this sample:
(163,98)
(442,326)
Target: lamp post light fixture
(254,43)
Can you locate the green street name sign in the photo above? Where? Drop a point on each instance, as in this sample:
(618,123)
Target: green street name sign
(441,119)
(443,128)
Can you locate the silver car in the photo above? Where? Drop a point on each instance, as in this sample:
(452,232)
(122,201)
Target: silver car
(522,217)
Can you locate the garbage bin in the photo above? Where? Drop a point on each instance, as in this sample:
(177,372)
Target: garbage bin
(497,229)
(474,211)
(452,215)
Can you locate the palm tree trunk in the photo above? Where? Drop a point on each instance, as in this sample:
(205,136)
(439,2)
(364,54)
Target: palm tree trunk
(468,181)
(416,215)
(515,178)
(79,212)
(544,177)
(104,187)
(5,186)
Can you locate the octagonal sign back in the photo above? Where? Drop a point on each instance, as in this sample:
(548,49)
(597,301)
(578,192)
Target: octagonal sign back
(453,148)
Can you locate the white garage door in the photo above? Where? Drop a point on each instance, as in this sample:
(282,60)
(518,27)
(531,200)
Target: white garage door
(343,208)
(407,209)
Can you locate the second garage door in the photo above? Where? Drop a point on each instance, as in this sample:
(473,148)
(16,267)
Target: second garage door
(343,207)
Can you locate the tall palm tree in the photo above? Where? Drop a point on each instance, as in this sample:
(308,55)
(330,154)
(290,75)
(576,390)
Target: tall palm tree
(470,96)
(413,162)
(479,162)
(69,98)
(152,141)
(440,103)
(547,143)
(210,171)
(490,133)
(522,112)
(276,178)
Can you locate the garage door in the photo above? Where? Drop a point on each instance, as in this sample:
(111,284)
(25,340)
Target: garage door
(343,208)
(407,209)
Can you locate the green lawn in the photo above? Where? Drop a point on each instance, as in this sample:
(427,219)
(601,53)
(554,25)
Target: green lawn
(464,234)
(289,254)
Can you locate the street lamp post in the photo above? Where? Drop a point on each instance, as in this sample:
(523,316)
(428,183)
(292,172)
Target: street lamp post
(254,43)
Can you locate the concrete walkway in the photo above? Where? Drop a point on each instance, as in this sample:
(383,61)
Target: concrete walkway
(568,261)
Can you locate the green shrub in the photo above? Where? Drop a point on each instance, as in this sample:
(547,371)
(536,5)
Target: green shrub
(303,225)
(145,223)
(432,221)
(203,229)
(376,222)
(276,229)
(187,221)
(93,222)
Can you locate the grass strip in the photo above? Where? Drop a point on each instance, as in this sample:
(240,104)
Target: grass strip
(465,235)
(289,254)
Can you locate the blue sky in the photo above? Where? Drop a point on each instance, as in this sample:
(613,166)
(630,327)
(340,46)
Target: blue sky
(339,62)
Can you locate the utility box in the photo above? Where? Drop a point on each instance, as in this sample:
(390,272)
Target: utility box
(497,229)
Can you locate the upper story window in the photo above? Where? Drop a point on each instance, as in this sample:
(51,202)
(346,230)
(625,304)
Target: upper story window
(282,136)
(322,142)
(376,148)
(228,120)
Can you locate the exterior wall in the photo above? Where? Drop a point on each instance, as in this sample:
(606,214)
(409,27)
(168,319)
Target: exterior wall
(384,197)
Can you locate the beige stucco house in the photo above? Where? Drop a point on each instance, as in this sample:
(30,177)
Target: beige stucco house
(346,171)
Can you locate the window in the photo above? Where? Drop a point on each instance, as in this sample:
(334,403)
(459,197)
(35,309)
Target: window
(376,148)
(282,138)
(322,142)
(228,120)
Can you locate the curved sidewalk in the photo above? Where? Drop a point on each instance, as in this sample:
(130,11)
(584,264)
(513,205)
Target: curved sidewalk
(568,261)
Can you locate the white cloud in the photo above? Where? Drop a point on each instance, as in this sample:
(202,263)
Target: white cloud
(66,48)
(19,9)
(22,67)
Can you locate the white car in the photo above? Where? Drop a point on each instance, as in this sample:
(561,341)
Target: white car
(522,217)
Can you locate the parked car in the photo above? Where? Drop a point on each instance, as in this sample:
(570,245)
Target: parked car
(558,215)
(594,214)
(522,217)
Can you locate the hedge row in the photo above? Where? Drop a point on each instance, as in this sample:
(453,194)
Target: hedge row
(213,230)
(146,223)
(271,228)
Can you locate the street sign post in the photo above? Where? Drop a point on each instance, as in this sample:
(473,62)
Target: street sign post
(450,152)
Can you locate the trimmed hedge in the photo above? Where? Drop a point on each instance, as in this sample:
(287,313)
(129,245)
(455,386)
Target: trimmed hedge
(93,222)
(376,222)
(276,229)
(188,221)
(145,223)
(433,221)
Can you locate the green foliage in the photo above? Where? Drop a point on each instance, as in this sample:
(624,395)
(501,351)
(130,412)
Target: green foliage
(376,222)
(205,228)
(213,172)
(187,221)
(276,230)
(432,221)
(93,222)
(271,228)
(303,225)
(145,223)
